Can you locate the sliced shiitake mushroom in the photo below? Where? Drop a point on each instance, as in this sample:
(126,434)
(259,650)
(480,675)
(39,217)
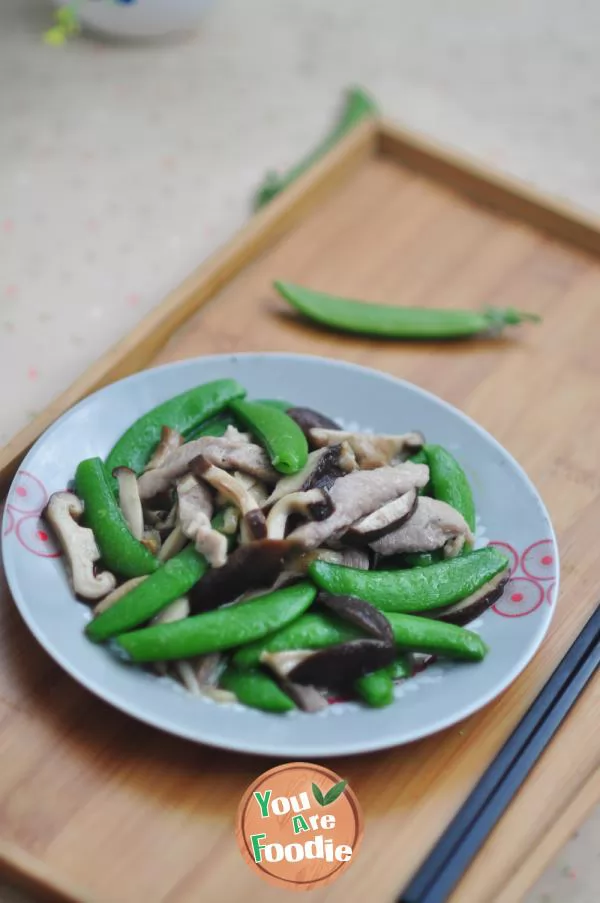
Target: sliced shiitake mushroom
(308,419)
(249,567)
(337,667)
(476,604)
(254,526)
(360,613)
(170,439)
(79,546)
(322,469)
(315,504)
(129,500)
(371,450)
(389,517)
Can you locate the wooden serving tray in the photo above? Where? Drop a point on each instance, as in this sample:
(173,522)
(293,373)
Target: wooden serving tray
(93,805)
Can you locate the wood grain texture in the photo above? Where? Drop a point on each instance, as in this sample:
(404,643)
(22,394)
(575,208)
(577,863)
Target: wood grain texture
(137,349)
(129,814)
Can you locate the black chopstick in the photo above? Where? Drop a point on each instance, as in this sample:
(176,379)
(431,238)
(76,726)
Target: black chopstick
(475,819)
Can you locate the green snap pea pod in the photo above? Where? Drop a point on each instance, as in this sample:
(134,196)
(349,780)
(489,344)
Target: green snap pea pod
(181,413)
(414,589)
(416,634)
(449,482)
(141,603)
(376,688)
(312,631)
(411,633)
(214,426)
(220,629)
(397,322)
(121,551)
(257,690)
(282,438)
(358,106)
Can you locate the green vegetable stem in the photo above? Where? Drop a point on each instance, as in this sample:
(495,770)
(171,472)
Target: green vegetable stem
(358,107)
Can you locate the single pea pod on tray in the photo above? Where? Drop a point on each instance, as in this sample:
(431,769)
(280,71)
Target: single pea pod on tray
(419,590)
(389,322)
(218,630)
(181,413)
(121,552)
(358,106)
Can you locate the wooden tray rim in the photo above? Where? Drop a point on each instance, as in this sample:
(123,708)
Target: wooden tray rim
(481,183)
(131,354)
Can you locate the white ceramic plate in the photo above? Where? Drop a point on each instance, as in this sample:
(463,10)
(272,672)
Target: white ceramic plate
(510,513)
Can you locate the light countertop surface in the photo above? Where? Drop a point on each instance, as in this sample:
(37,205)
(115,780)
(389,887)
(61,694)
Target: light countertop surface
(123,166)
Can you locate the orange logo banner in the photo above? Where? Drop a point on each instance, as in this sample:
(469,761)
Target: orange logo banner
(299,826)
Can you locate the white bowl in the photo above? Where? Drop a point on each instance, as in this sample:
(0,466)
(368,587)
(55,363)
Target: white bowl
(510,514)
(142,18)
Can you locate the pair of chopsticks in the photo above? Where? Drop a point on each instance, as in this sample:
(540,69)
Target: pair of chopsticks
(473,823)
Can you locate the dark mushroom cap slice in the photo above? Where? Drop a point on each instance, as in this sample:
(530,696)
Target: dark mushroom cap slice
(339,666)
(315,504)
(465,611)
(371,449)
(322,469)
(360,613)
(387,518)
(170,439)
(251,566)
(333,464)
(256,524)
(309,419)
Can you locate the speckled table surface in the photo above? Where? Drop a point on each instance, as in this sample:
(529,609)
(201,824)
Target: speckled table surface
(123,166)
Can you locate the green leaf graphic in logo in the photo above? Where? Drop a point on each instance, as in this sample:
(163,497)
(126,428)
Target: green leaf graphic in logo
(318,795)
(333,793)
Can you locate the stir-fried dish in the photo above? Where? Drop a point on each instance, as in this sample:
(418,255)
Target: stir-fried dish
(259,553)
